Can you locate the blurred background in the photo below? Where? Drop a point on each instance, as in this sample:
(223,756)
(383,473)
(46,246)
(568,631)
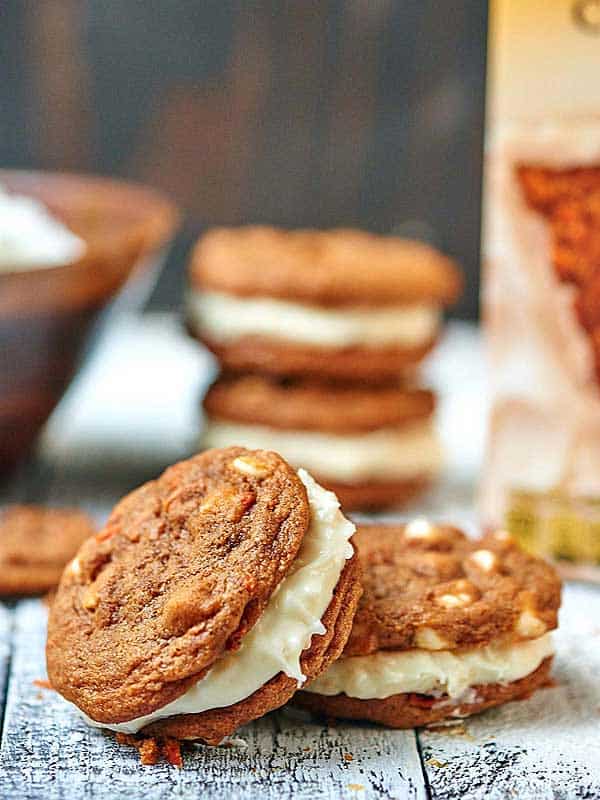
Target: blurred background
(316,112)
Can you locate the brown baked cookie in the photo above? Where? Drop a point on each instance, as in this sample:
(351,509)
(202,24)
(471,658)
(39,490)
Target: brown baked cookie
(378,495)
(373,446)
(446,626)
(309,406)
(173,587)
(342,304)
(35,545)
(429,586)
(284,358)
(323,267)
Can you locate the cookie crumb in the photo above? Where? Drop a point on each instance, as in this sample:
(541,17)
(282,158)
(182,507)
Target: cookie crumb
(172,752)
(150,749)
(149,752)
(450,727)
(43,683)
(433,762)
(235,741)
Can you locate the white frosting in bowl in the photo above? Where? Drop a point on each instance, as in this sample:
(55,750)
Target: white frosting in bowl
(31,238)
(286,626)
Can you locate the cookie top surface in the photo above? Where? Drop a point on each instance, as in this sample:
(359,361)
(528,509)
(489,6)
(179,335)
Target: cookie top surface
(429,586)
(35,536)
(310,406)
(182,570)
(334,267)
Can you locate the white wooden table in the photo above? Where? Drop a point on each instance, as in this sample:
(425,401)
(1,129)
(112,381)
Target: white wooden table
(134,410)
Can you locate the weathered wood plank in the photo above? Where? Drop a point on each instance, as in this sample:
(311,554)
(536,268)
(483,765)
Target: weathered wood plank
(6,618)
(48,751)
(545,747)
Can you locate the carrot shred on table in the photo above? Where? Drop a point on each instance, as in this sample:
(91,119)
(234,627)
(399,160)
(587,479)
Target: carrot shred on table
(172,752)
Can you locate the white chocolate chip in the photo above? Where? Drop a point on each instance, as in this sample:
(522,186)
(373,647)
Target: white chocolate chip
(463,585)
(74,567)
(250,466)
(90,599)
(485,559)
(428,639)
(454,600)
(419,528)
(209,502)
(529,626)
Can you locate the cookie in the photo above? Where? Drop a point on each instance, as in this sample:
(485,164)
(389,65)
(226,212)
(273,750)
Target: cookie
(446,626)
(373,446)
(378,495)
(210,595)
(342,304)
(35,545)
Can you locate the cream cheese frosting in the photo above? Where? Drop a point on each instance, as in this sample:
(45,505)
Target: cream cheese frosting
(225,318)
(286,626)
(31,238)
(394,453)
(437,673)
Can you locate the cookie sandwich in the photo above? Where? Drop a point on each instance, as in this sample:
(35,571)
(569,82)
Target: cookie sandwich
(35,545)
(373,446)
(341,304)
(209,597)
(446,627)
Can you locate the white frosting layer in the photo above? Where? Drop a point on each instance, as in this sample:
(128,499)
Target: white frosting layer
(225,318)
(286,626)
(437,673)
(398,453)
(30,237)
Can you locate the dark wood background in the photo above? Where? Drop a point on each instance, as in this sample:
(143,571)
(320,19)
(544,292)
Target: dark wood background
(312,112)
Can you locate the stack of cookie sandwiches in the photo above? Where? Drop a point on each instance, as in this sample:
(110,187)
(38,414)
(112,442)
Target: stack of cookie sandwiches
(319,335)
(216,592)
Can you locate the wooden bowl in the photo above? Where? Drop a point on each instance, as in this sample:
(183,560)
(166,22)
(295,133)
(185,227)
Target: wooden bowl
(46,314)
